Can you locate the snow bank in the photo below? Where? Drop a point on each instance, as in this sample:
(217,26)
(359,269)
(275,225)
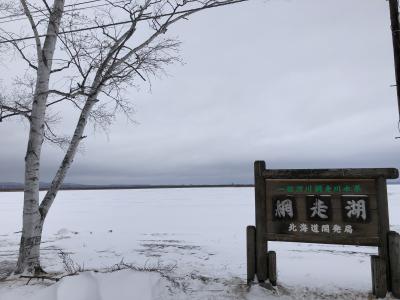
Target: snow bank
(121,285)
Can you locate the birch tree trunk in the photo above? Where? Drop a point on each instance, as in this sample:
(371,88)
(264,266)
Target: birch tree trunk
(29,251)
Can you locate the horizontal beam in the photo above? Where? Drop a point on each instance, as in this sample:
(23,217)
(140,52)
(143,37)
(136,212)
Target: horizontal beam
(372,241)
(388,173)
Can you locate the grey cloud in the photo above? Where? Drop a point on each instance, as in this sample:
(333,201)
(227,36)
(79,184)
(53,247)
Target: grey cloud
(300,84)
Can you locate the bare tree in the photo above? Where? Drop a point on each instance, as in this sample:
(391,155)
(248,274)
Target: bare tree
(88,59)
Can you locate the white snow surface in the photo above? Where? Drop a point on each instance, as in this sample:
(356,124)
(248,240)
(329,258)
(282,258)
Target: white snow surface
(196,236)
(121,285)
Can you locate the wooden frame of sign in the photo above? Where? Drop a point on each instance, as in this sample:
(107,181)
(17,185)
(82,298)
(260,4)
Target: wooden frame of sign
(328,206)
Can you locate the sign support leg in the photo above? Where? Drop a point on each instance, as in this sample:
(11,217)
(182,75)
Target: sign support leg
(272,275)
(378,267)
(383,226)
(261,221)
(251,253)
(394,261)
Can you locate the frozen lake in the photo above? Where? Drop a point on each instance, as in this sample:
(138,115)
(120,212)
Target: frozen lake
(201,231)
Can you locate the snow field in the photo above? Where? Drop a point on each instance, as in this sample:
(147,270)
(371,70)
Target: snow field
(199,233)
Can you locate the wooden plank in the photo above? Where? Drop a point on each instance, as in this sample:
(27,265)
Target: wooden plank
(272,274)
(364,173)
(357,241)
(394,261)
(366,229)
(364,233)
(335,201)
(251,253)
(303,217)
(261,224)
(281,186)
(325,238)
(371,222)
(379,285)
(384,227)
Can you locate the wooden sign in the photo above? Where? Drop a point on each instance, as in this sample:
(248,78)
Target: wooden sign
(322,211)
(330,206)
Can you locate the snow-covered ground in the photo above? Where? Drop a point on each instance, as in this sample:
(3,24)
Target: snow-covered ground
(196,236)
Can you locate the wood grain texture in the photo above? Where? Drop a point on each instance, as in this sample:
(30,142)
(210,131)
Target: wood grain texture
(272,274)
(251,253)
(388,173)
(364,233)
(384,228)
(379,284)
(261,225)
(276,186)
(357,241)
(394,261)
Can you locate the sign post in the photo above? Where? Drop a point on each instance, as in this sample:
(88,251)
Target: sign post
(328,206)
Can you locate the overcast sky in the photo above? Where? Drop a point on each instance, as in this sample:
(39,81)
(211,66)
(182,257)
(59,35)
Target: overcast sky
(297,83)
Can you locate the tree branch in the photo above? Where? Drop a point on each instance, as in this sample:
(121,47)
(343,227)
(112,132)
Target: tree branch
(33,26)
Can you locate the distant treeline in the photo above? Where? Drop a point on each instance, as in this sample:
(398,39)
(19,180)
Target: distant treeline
(18,187)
